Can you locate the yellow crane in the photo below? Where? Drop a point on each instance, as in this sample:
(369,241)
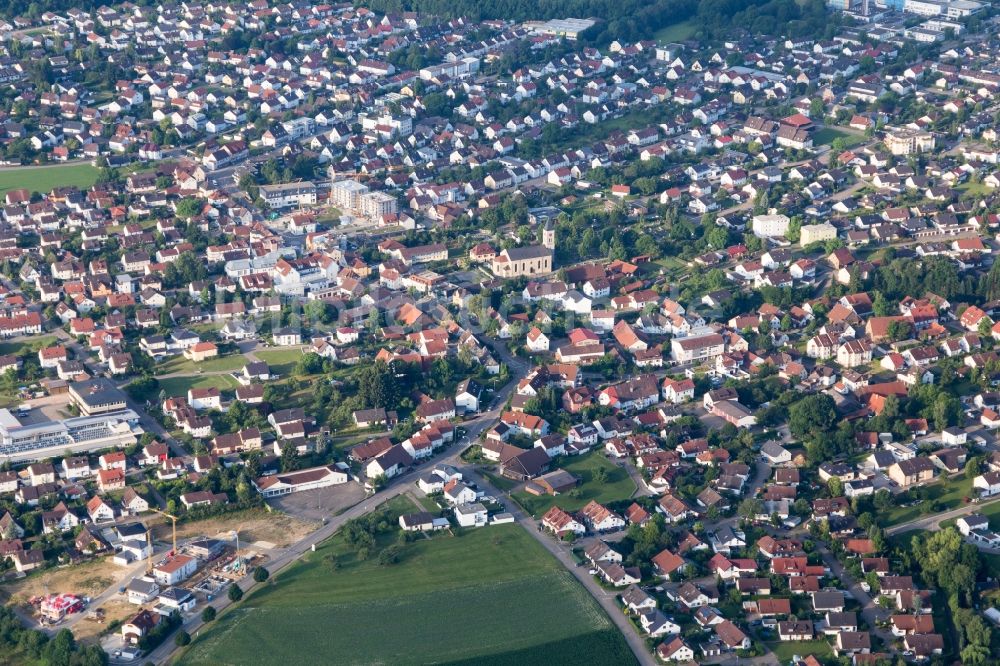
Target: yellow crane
(173,520)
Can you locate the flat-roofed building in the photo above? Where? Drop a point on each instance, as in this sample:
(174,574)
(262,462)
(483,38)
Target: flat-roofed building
(284,195)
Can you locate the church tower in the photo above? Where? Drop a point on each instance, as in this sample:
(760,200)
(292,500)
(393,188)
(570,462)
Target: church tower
(549,236)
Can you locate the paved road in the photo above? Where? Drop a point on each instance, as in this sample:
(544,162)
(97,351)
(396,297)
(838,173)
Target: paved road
(161,654)
(281,559)
(605,598)
(870,611)
(148,423)
(932,521)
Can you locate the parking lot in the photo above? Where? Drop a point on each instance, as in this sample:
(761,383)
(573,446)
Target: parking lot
(321,503)
(48,408)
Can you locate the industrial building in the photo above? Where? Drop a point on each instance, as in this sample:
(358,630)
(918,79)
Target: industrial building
(24,442)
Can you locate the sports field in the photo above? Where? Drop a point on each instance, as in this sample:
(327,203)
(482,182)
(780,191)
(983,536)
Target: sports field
(43,179)
(490,596)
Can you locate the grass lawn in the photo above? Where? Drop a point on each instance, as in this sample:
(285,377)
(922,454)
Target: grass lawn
(949,494)
(281,361)
(618,486)
(827,135)
(174,386)
(343,442)
(677,32)
(43,179)
(786,650)
(26,346)
(990,509)
(974,189)
(486,596)
(229,363)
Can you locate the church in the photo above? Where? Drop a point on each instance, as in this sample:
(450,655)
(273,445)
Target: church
(531,260)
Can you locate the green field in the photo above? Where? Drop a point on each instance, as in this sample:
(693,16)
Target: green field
(219,363)
(828,135)
(487,596)
(281,361)
(43,179)
(948,493)
(974,189)
(617,486)
(786,650)
(174,386)
(30,346)
(677,32)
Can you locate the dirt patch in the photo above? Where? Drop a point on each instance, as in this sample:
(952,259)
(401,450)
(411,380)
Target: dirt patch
(86,580)
(114,609)
(277,528)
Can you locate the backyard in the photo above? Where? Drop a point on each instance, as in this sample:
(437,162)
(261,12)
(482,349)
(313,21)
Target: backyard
(617,486)
(785,651)
(487,596)
(43,179)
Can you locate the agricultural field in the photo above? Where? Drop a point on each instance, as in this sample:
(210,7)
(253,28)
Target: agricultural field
(42,179)
(616,486)
(488,596)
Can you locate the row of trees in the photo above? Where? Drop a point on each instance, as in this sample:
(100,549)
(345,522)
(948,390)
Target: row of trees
(946,563)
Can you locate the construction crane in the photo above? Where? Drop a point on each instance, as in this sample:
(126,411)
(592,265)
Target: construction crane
(335,175)
(149,549)
(173,520)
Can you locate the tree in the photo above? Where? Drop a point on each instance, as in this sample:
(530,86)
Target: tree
(377,386)
(289,457)
(882,500)
(182,638)
(972,467)
(208,614)
(835,486)
(717,237)
(812,415)
(188,207)
(750,507)
(261,574)
(235,593)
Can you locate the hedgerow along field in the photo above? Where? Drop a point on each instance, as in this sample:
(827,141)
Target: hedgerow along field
(489,596)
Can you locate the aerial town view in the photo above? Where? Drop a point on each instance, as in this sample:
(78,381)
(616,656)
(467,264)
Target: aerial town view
(592,332)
